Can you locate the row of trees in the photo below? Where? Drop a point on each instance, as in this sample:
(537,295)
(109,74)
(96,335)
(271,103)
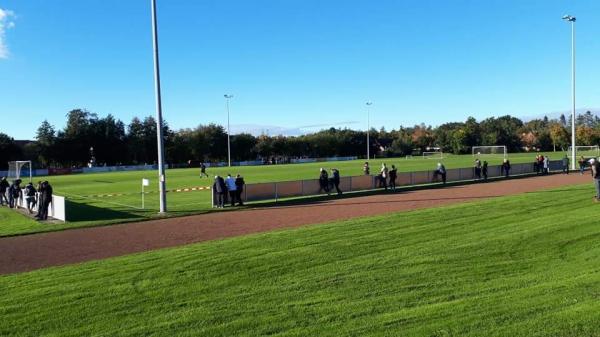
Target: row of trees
(114,143)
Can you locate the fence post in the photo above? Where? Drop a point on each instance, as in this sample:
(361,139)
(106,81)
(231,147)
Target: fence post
(302,184)
(212,198)
(351,183)
(276,195)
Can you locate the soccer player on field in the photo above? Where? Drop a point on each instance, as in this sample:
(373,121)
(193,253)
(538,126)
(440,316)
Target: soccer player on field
(203,170)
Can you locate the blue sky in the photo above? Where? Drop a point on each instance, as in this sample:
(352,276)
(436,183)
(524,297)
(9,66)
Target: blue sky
(295,63)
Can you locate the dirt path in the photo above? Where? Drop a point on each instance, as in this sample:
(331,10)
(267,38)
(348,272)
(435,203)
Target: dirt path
(25,253)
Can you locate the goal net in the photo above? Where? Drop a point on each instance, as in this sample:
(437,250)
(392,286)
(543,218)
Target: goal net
(586,151)
(19,169)
(433,155)
(496,150)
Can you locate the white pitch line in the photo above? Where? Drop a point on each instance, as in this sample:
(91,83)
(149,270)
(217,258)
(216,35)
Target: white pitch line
(103,201)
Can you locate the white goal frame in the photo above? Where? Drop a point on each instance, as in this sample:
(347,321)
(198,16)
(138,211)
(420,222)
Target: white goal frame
(14,169)
(476,150)
(432,155)
(589,148)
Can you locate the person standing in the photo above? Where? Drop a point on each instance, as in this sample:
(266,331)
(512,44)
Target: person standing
(565,164)
(366,169)
(47,199)
(393,173)
(239,185)
(505,168)
(203,170)
(30,192)
(477,168)
(440,171)
(219,189)
(230,182)
(384,175)
(4,185)
(546,165)
(335,173)
(595,165)
(40,201)
(14,194)
(484,170)
(323,181)
(581,165)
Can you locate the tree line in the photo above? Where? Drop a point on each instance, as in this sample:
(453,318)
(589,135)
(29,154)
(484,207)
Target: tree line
(112,142)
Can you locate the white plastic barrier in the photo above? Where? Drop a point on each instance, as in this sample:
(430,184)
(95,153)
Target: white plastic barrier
(56,210)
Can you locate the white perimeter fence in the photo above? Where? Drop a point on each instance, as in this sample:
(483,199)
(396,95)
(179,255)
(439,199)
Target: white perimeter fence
(300,188)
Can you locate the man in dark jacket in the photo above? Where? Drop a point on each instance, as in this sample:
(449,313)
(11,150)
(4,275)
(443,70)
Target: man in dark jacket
(336,180)
(393,173)
(505,168)
(40,188)
(484,170)
(14,193)
(30,192)
(440,171)
(324,181)
(45,200)
(3,188)
(220,189)
(239,185)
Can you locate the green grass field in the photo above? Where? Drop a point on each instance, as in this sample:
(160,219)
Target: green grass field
(85,208)
(526,265)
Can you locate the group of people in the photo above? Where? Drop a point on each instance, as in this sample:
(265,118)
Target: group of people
(541,164)
(481,169)
(40,196)
(327,184)
(386,178)
(228,188)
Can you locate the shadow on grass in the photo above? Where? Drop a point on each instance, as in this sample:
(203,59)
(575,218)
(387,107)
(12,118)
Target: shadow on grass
(77,212)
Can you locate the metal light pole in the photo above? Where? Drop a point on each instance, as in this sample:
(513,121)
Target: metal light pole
(227,98)
(159,121)
(572,20)
(368,128)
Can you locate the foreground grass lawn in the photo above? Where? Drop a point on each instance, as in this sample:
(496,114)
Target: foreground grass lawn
(525,265)
(11,221)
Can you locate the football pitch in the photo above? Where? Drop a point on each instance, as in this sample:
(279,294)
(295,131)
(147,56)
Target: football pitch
(115,197)
(524,265)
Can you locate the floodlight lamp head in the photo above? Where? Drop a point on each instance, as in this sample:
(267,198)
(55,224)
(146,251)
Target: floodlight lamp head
(569,18)
(369,103)
(228,96)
